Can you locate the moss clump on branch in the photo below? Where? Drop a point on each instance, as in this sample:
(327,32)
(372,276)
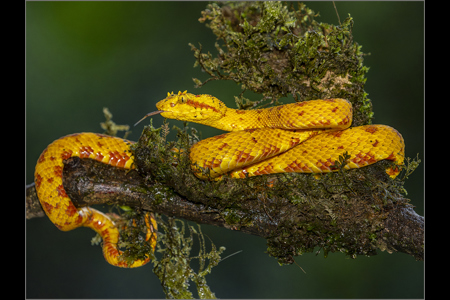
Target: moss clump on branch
(174,269)
(276,50)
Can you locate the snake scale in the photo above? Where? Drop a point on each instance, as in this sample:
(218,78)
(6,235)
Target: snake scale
(305,137)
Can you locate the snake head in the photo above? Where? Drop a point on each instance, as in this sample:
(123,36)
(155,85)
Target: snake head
(203,109)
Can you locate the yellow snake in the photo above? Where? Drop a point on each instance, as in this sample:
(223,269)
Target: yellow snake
(305,137)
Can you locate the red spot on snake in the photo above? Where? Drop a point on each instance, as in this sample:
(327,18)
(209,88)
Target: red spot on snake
(269,151)
(371,129)
(393,171)
(266,170)
(50,180)
(98,225)
(37,180)
(290,124)
(42,157)
(61,191)
(335,109)
(215,163)
(297,167)
(58,171)
(391,157)
(201,105)
(111,249)
(375,144)
(336,134)
(293,142)
(243,157)
(118,159)
(71,210)
(47,207)
(362,159)
(66,154)
(99,156)
(223,146)
(324,165)
(345,121)
(85,151)
(327,122)
(243,173)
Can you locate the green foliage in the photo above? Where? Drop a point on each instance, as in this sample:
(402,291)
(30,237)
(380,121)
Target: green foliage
(110,127)
(174,268)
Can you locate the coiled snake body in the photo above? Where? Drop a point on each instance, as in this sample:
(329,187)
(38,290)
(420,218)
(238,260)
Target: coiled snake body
(301,137)
(58,206)
(305,137)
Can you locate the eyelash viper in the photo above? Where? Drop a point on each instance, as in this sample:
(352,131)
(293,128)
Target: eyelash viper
(304,137)
(58,206)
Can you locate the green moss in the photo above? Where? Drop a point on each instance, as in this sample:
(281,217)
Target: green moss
(174,268)
(132,236)
(276,50)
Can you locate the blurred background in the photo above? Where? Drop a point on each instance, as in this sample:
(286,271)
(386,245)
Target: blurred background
(83,56)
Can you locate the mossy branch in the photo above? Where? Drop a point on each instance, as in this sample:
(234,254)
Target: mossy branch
(294,212)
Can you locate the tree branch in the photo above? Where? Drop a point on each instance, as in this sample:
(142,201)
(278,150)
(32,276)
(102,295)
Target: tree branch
(290,228)
(88,182)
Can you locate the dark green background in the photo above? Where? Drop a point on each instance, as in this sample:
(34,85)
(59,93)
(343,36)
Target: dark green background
(82,56)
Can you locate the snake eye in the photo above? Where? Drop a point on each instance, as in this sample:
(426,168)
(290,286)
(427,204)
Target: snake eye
(183,99)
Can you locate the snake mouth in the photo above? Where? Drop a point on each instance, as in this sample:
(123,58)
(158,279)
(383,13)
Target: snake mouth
(150,114)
